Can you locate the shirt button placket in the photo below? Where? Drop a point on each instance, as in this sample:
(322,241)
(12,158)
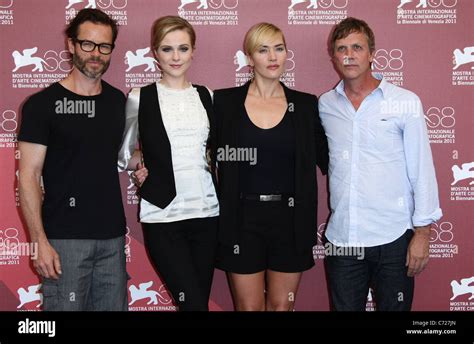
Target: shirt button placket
(353,206)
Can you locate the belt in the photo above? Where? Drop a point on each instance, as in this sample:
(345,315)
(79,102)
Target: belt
(265,198)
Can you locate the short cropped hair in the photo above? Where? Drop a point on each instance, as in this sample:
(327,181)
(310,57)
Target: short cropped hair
(92,15)
(348,26)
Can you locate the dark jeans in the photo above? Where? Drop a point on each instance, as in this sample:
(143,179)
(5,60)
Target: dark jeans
(184,254)
(382,268)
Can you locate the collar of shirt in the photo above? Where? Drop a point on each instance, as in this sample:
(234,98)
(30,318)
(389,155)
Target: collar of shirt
(382,86)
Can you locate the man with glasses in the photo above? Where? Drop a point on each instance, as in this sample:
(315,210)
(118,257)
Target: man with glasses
(71,134)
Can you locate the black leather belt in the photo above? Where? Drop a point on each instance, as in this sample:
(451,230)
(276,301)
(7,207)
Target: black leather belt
(265,198)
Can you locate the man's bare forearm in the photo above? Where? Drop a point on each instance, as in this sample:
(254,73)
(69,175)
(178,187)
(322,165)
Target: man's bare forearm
(31,199)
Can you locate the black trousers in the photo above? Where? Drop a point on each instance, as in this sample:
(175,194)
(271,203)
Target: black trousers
(382,268)
(184,252)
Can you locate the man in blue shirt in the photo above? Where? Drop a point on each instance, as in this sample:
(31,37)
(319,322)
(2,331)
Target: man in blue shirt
(383,189)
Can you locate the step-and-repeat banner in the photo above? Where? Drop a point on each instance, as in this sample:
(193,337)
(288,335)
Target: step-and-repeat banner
(426,46)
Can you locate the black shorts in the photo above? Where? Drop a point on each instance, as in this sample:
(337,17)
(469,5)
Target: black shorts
(266,241)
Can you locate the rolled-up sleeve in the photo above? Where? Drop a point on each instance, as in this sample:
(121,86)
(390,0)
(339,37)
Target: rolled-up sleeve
(421,171)
(130,135)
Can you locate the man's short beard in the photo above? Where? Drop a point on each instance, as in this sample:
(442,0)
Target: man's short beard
(80,64)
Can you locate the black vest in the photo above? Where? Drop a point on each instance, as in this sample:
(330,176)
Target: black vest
(159,188)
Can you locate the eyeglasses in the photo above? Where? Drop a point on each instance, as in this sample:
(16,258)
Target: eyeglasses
(88,46)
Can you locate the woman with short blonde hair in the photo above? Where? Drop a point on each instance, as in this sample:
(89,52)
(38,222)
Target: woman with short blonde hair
(267,206)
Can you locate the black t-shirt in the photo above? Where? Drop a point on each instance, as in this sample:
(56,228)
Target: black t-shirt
(83,135)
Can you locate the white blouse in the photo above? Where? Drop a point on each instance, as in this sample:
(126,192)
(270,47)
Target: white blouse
(187,125)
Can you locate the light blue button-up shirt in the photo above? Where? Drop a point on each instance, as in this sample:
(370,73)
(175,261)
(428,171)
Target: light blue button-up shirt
(381,175)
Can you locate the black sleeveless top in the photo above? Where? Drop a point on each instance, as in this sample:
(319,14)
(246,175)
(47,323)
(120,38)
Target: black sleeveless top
(272,167)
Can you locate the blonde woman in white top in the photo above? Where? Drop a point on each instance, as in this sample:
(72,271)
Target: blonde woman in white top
(173,122)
